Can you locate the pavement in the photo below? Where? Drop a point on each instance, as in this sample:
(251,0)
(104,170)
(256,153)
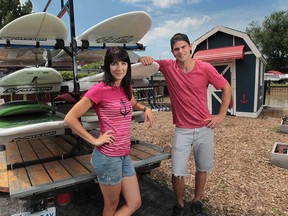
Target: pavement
(157,200)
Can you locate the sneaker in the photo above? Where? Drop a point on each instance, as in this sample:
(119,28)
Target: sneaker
(178,210)
(196,208)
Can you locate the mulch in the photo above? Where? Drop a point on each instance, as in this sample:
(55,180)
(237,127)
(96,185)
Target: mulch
(244,181)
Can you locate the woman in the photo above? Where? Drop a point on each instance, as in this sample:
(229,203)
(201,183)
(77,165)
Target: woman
(113,101)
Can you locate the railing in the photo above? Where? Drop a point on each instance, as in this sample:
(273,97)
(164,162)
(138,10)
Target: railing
(279,89)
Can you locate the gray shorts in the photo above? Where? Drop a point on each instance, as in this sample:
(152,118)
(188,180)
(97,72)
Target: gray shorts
(202,140)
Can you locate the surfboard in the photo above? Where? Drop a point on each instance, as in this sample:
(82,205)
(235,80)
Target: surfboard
(31,39)
(31,80)
(20,107)
(85,86)
(31,126)
(140,83)
(40,26)
(139,71)
(90,120)
(113,31)
(139,74)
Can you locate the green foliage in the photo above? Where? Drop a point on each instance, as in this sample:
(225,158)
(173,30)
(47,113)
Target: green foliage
(271,37)
(12,9)
(93,66)
(279,84)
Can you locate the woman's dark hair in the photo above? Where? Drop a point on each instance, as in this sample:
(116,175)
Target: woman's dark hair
(115,54)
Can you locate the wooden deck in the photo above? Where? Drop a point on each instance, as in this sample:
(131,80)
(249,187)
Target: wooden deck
(41,165)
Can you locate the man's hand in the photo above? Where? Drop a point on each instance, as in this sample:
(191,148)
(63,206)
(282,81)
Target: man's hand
(214,121)
(146,60)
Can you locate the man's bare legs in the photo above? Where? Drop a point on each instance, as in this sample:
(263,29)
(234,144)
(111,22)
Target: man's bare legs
(179,187)
(200,181)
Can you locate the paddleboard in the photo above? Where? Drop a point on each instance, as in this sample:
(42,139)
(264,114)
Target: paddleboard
(31,80)
(85,85)
(35,27)
(21,107)
(139,71)
(30,126)
(127,28)
(31,38)
(90,120)
(124,28)
(139,74)
(140,83)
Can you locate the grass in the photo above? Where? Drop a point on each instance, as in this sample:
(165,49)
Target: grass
(279,84)
(222,187)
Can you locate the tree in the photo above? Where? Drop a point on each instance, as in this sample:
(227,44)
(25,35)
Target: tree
(12,9)
(94,66)
(271,37)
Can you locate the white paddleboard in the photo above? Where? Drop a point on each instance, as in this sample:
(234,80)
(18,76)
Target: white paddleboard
(139,75)
(85,86)
(90,120)
(125,28)
(37,26)
(139,72)
(31,80)
(43,28)
(140,83)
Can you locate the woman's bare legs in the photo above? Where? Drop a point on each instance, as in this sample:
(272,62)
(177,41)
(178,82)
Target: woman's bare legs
(131,193)
(111,195)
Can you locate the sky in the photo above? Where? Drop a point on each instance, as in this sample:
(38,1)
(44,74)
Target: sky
(192,17)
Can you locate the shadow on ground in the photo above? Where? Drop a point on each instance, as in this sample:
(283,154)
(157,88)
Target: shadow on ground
(157,200)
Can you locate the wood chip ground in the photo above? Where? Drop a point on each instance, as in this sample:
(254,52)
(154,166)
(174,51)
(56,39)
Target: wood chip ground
(243,182)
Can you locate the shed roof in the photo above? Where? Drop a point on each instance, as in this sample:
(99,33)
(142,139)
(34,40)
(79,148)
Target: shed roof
(233,32)
(220,54)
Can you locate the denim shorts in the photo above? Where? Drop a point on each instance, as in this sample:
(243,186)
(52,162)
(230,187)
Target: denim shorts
(111,170)
(202,140)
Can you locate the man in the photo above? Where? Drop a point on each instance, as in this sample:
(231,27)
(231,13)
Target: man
(187,80)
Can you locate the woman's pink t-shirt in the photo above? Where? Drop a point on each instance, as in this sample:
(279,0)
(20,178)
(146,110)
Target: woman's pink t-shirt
(114,112)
